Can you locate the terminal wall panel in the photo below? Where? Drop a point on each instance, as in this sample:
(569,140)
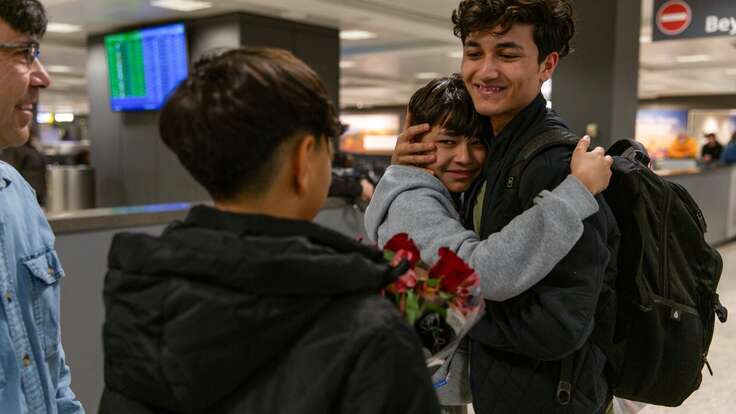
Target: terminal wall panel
(138,157)
(596,84)
(626,73)
(266,32)
(104,130)
(320,49)
(213,33)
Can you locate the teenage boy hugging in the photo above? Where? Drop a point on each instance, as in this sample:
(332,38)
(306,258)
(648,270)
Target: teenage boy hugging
(532,353)
(247,306)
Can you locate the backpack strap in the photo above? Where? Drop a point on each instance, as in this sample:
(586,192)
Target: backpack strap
(548,139)
(631,149)
(509,204)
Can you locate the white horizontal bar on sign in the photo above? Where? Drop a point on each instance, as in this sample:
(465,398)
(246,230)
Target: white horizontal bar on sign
(379,142)
(673,17)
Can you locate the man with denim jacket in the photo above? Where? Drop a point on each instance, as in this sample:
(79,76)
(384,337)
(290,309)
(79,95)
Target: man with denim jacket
(34,377)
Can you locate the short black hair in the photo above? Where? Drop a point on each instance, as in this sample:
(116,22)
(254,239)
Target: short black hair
(447,103)
(710,135)
(553,21)
(227,120)
(24,16)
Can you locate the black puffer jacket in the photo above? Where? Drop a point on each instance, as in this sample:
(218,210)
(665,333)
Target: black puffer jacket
(518,348)
(229,313)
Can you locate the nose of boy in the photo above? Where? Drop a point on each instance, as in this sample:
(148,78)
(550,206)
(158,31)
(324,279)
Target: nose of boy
(462,155)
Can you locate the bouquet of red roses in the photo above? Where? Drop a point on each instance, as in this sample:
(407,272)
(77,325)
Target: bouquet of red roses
(441,302)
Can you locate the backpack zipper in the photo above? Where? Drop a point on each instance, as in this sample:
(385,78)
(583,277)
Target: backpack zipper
(691,206)
(665,246)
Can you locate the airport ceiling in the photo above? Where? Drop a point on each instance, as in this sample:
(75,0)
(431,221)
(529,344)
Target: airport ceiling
(413,40)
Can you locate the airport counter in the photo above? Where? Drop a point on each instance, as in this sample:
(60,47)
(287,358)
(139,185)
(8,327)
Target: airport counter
(82,241)
(714,189)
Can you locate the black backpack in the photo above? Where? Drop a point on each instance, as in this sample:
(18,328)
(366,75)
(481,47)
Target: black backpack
(666,281)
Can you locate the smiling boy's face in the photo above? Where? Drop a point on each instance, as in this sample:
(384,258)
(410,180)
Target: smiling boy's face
(459,158)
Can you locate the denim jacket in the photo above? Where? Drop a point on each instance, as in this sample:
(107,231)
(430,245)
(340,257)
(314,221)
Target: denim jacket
(34,378)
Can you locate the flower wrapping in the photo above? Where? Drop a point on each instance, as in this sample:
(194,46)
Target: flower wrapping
(441,302)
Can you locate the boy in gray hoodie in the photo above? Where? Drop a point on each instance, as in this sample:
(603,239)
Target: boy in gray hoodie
(412,200)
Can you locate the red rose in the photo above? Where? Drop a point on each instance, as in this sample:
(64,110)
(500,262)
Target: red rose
(451,270)
(402,242)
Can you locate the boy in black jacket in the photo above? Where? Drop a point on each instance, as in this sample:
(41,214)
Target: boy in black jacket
(538,352)
(248,307)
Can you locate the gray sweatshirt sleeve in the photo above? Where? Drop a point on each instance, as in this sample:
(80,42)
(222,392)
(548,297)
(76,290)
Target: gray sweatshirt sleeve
(508,262)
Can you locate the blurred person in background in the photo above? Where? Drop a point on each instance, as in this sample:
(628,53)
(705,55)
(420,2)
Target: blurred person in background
(347,182)
(683,146)
(729,153)
(34,376)
(711,151)
(30,163)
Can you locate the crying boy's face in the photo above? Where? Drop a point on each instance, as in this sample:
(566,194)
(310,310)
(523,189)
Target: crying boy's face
(459,158)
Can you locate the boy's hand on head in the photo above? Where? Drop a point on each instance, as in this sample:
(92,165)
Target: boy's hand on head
(592,168)
(368,190)
(408,149)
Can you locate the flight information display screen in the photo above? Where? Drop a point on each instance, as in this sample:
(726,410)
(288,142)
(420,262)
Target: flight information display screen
(145,66)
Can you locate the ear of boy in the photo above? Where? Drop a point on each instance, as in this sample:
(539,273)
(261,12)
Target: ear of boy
(311,171)
(549,65)
(300,160)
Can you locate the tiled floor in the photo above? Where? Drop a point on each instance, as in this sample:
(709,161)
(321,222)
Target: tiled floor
(717,394)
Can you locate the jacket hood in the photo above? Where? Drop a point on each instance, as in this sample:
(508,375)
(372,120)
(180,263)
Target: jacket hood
(218,298)
(396,180)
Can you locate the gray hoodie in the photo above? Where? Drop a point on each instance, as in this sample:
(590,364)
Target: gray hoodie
(408,200)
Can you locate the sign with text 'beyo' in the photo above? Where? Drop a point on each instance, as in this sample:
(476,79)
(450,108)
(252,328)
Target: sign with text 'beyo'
(687,19)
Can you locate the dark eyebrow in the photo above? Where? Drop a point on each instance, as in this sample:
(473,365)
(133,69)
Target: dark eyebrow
(471,43)
(509,45)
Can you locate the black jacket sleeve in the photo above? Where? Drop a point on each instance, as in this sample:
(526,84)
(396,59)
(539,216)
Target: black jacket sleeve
(390,376)
(555,317)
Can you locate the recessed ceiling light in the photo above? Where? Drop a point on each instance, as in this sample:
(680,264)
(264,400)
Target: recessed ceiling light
(59,69)
(45,118)
(181,5)
(458,54)
(426,75)
(693,58)
(64,117)
(356,35)
(63,28)
(347,64)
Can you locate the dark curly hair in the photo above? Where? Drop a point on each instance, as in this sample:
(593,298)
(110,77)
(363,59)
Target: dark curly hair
(24,16)
(446,102)
(236,109)
(553,21)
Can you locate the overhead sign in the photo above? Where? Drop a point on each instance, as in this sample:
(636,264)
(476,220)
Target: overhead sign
(674,17)
(687,19)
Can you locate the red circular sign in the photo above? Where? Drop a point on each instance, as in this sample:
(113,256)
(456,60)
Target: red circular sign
(674,17)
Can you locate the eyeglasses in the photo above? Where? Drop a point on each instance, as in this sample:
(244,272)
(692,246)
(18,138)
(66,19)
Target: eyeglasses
(32,50)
